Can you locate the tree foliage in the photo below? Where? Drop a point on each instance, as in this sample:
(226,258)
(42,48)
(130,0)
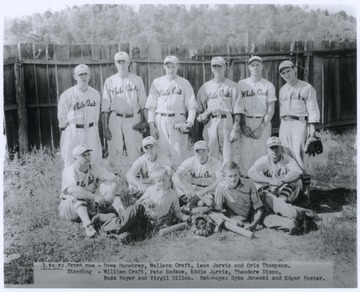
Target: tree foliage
(195,25)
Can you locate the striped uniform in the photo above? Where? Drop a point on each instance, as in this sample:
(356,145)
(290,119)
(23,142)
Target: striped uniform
(78,115)
(220,98)
(253,103)
(124,98)
(171,100)
(298,107)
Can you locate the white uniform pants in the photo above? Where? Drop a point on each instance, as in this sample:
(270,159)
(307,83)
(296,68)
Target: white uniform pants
(216,133)
(72,136)
(123,134)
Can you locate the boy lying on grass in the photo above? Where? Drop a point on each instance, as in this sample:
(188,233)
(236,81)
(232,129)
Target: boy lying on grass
(156,208)
(86,186)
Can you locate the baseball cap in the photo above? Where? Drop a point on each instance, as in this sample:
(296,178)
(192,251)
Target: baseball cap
(121,56)
(80,149)
(286,64)
(80,69)
(218,61)
(171,59)
(273,141)
(255,58)
(201,145)
(149,140)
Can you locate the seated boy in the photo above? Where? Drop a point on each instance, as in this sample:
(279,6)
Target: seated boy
(84,183)
(157,206)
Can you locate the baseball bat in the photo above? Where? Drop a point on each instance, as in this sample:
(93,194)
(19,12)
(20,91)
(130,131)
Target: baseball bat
(172,228)
(239,230)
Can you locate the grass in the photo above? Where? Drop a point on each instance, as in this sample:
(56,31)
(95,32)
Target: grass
(34,232)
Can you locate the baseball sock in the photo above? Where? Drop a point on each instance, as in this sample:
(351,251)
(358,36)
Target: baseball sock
(117,204)
(81,210)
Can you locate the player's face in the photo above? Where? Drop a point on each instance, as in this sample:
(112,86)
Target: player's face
(274,152)
(288,74)
(255,68)
(122,65)
(150,151)
(218,70)
(82,79)
(171,69)
(84,159)
(232,177)
(162,183)
(202,155)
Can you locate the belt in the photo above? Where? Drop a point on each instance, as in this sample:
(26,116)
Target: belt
(253,117)
(222,116)
(170,115)
(291,118)
(80,126)
(125,115)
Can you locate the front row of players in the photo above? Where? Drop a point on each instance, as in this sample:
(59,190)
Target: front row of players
(91,194)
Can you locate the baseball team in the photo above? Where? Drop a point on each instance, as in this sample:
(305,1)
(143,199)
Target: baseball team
(238,169)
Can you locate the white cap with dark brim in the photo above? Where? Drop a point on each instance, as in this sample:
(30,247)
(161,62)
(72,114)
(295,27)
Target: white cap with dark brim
(286,64)
(255,58)
(171,59)
(80,69)
(201,145)
(121,56)
(273,141)
(80,149)
(149,140)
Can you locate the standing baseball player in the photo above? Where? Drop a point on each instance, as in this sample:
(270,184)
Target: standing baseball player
(123,104)
(197,177)
(216,100)
(254,110)
(78,115)
(299,112)
(171,108)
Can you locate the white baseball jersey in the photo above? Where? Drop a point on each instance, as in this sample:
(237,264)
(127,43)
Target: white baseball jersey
(253,103)
(143,166)
(125,96)
(217,97)
(171,96)
(300,101)
(79,113)
(90,180)
(201,175)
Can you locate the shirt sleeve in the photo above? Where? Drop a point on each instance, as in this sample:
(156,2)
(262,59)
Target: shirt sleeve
(239,105)
(68,178)
(255,199)
(142,94)
(219,197)
(271,94)
(201,100)
(102,174)
(63,110)
(151,102)
(312,106)
(106,98)
(190,100)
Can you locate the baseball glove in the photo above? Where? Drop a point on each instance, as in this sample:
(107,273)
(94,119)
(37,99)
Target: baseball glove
(203,225)
(313,146)
(142,127)
(183,128)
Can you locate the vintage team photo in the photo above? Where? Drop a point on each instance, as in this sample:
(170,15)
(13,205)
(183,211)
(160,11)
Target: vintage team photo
(180,133)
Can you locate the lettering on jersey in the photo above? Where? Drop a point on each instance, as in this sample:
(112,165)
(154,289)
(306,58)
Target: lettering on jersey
(119,90)
(88,103)
(298,97)
(90,180)
(274,173)
(251,93)
(170,91)
(220,93)
(205,175)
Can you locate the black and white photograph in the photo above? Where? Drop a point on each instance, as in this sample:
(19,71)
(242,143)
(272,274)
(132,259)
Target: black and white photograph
(179,145)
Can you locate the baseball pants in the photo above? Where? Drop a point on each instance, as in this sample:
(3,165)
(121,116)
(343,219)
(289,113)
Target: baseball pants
(252,149)
(123,134)
(293,135)
(72,137)
(216,133)
(171,142)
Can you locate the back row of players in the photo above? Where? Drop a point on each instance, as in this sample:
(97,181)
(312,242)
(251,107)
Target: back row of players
(236,117)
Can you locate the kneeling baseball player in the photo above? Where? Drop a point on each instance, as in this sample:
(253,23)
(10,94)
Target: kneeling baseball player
(85,187)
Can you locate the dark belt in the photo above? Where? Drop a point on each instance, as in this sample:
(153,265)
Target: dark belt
(170,115)
(290,118)
(125,116)
(253,117)
(222,116)
(80,126)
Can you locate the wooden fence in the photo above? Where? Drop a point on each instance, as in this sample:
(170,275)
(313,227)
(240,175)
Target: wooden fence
(36,74)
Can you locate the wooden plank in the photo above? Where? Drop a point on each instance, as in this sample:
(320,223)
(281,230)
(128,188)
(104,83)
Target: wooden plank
(347,87)
(64,78)
(75,53)
(26,51)
(22,111)
(55,131)
(112,50)
(34,128)
(165,51)
(42,84)
(95,52)
(62,52)
(125,47)
(103,54)
(40,51)
(45,127)
(135,53)
(53,97)
(155,52)
(86,52)
(10,52)
(9,85)
(285,46)
(11,131)
(95,79)
(50,52)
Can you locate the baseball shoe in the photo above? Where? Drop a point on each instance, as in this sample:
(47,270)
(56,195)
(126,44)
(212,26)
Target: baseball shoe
(90,231)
